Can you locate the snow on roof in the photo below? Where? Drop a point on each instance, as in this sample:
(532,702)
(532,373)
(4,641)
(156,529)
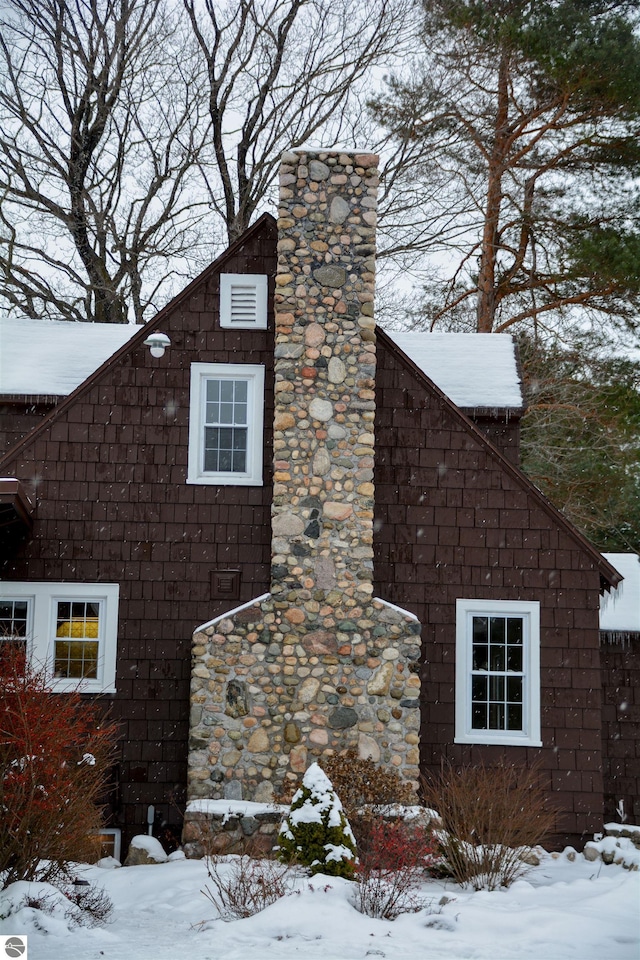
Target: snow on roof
(620,608)
(473,369)
(53,357)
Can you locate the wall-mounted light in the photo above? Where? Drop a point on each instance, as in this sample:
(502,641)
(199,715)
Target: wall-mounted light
(157,343)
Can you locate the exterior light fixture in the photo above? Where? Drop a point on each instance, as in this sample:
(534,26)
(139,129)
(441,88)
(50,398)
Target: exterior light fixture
(157,343)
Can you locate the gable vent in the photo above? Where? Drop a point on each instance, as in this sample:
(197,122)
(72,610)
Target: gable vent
(243,301)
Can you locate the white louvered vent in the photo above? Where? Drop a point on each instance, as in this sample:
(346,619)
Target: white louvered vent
(243,301)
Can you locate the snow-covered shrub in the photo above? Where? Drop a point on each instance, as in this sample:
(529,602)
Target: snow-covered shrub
(55,752)
(316,832)
(44,907)
(491,818)
(242,886)
(392,868)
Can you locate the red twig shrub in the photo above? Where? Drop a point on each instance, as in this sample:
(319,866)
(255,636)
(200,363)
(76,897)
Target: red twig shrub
(392,867)
(55,752)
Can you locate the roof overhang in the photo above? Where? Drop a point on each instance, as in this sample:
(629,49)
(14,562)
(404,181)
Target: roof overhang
(16,509)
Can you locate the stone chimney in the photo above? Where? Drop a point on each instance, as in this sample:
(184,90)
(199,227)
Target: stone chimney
(318,665)
(325,378)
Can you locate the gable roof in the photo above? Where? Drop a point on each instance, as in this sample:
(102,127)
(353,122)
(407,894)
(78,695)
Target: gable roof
(140,333)
(472,369)
(609,576)
(53,357)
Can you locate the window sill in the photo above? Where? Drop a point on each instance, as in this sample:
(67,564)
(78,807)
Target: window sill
(491,739)
(226,480)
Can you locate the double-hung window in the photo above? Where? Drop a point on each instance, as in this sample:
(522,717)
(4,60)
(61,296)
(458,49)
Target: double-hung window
(68,629)
(225,424)
(498,672)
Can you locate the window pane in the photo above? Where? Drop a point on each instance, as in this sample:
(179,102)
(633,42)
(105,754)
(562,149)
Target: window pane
(480,630)
(496,716)
(480,657)
(226,413)
(514,689)
(478,716)
(241,391)
(496,688)
(226,390)
(514,716)
(76,645)
(497,628)
(479,689)
(514,630)
(497,658)
(514,659)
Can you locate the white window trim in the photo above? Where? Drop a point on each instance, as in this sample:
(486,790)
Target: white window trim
(41,634)
(256,281)
(254,375)
(530,611)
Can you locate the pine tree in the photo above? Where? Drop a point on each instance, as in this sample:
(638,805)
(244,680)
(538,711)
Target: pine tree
(528,113)
(316,832)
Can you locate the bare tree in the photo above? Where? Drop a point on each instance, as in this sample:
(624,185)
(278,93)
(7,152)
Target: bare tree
(282,74)
(101,129)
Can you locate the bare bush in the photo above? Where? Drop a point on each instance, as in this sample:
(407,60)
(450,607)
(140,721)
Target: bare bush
(242,886)
(392,868)
(491,817)
(55,754)
(91,906)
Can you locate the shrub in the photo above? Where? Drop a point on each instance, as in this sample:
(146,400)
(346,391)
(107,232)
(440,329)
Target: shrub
(491,816)
(55,752)
(242,886)
(391,869)
(362,787)
(316,832)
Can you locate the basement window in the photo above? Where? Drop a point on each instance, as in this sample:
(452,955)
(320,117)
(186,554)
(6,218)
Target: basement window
(498,672)
(225,424)
(243,301)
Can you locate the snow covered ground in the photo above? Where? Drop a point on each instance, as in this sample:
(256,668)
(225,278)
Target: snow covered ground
(562,909)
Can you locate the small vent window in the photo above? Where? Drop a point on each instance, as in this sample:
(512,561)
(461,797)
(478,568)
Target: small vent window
(243,301)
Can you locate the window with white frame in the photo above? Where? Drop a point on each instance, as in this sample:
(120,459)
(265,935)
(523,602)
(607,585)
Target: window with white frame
(243,301)
(70,629)
(498,672)
(225,424)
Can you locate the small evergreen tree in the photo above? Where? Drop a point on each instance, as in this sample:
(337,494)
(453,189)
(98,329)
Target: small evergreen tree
(316,832)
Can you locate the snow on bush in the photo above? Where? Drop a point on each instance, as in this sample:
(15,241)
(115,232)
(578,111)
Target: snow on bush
(316,832)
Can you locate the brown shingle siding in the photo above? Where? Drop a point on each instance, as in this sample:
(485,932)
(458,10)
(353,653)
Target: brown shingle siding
(498,542)
(115,507)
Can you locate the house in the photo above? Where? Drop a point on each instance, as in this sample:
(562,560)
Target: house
(298,533)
